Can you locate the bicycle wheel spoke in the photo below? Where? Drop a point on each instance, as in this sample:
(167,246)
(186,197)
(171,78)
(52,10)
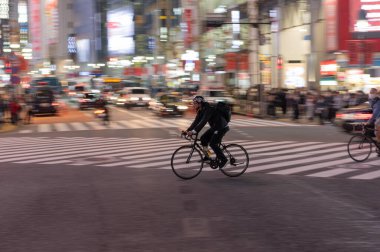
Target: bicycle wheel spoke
(186,163)
(238,160)
(359,148)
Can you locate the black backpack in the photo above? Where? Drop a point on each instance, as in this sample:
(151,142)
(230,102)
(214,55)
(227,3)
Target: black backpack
(224,110)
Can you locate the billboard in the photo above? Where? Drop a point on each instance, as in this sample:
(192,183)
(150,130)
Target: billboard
(36,28)
(365,18)
(120,31)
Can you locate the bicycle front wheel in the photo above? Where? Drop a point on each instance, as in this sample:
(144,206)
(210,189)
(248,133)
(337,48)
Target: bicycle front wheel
(187,162)
(359,148)
(238,160)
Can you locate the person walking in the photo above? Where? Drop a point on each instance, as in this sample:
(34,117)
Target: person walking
(14,108)
(2,110)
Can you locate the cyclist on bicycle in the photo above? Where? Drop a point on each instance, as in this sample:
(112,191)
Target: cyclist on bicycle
(374,101)
(214,135)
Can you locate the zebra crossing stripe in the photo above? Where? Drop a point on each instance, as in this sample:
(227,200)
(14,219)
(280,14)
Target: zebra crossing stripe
(368,175)
(314,166)
(112,150)
(159,123)
(288,157)
(25,131)
(96,125)
(127,124)
(61,127)
(51,153)
(145,122)
(49,145)
(307,148)
(374,162)
(242,123)
(44,128)
(58,162)
(115,125)
(79,126)
(331,173)
(157,163)
(280,123)
(300,162)
(277,146)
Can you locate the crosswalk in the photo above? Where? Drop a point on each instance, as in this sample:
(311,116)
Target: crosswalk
(144,123)
(311,159)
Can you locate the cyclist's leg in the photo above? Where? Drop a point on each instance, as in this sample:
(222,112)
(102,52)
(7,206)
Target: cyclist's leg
(215,142)
(205,140)
(206,137)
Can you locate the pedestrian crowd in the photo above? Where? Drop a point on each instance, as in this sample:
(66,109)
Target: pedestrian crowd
(312,105)
(13,109)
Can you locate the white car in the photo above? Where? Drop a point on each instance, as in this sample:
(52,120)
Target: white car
(136,97)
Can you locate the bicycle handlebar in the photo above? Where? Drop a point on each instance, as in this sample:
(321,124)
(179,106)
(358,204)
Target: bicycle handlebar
(189,138)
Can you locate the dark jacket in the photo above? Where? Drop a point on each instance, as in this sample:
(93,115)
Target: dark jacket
(375,105)
(208,114)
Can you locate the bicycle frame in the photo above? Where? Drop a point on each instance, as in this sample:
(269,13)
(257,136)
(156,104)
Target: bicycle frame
(365,132)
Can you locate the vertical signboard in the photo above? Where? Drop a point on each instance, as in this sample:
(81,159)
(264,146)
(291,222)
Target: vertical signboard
(331,24)
(120,31)
(51,10)
(4,9)
(188,22)
(35,28)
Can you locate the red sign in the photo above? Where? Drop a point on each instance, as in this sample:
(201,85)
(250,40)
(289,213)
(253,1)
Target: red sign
(331,7)
(369,48)
(328,67)
(367,11)
(353,52)
(189,31)
(236,62)
(361,51)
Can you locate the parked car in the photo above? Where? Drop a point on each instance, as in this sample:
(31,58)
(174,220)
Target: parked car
(135,97)
(88,100)
(349,117)
(168,105)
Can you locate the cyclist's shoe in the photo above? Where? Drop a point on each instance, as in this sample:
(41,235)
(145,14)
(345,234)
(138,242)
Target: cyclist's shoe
(222,163)
(206,159)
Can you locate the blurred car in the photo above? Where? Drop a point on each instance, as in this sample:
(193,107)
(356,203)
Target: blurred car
(44,101)
(354,116)
(113,97)
(215,95)
(135,97)
(88,100)
(168,105)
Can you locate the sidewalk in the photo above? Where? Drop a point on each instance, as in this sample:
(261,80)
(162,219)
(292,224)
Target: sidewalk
(7,127)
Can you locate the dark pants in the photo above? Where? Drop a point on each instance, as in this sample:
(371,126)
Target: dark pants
(214,140)
(14,118)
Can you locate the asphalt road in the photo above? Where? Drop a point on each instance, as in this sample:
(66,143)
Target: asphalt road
(59,192)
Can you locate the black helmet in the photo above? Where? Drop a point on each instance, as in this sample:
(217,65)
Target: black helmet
(199,99)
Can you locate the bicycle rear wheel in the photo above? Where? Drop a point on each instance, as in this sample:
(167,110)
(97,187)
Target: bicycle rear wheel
(187,162)
(238,160)
(359,148)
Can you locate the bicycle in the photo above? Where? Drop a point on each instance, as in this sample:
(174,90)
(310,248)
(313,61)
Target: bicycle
(359,147)
(188,161)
